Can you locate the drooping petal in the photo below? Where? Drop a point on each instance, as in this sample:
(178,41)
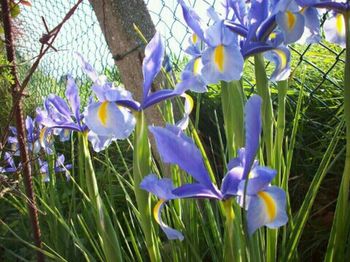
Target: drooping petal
(175,147)
(292,25)
(107,119)
(252,131)
(281,58)
(162,188)
(170,232)
(267,208)
(334,29)
(152,63)
(222,63)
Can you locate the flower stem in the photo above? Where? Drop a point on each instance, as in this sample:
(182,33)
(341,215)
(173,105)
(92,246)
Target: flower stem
(263,90)
(108,236)
(233,99)
(141,168)
(262,87)
(233,246)
(340,228)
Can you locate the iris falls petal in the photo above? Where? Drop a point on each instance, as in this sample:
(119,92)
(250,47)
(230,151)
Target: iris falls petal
(267,208)
(281,58)
(292,25)
(108,119)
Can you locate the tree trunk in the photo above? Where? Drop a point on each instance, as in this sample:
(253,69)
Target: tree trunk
(117,19)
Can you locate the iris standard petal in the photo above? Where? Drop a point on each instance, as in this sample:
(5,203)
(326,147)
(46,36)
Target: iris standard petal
(267,208)
(192,19)
(197,190)
(334,29)
(152,63)
(252,130)
(175,147)
(107,119)
(56,107)
(281,58)
(219,34)
(87,68)
(222,63)
(292,25)
(231,181)
(170,232)
(72,95)
(258,12)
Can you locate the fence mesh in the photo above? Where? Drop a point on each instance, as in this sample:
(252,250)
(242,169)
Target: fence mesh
(318,68)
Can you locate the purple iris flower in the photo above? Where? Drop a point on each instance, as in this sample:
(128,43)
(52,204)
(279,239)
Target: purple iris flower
(245,30)
(111,115)
(60,167)
(10,164)
(334,27)
(219,57)
(58,114)
(174,147)
(32,137)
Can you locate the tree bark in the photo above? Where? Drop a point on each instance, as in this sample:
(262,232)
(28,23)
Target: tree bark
(117,19)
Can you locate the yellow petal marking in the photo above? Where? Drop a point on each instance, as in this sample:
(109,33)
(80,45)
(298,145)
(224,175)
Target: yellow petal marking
(194,38)
(270,205)
(219,57)
(340,25)
(273,36)
(42,136)
(290,19)
(282,57)
(156,210)
(197,66)
(102,113)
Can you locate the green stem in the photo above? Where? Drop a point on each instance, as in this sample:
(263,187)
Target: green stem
(281,123)
(262,87)
(108,236)
(338,239)
(263,90)
(233,250)
(233,99)
(141,168)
